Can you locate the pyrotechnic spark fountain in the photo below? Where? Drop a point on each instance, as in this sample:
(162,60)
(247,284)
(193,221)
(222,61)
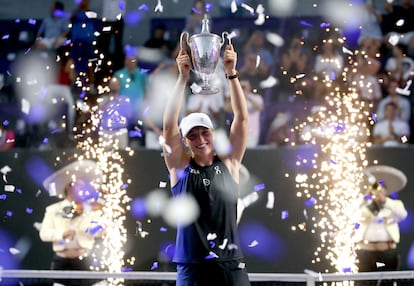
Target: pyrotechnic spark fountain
(340,130)
(109,256)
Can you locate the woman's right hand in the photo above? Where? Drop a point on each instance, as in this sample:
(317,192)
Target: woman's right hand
(183,63)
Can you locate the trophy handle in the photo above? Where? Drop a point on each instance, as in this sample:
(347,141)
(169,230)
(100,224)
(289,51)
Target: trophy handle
(225,35)
(181,39)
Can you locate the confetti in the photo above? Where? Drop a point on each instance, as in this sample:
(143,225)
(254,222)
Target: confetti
(195,88)
(275,39)
(248,8)
(9,188)
(312,201)
(253,243)
(159,7)
(257,61)
(379,264)
(154,265)
(347,51)
(211,255)
(224,244)
(233,6)
(91,14)
(211,236)
(284,215)
(271,81)
(14,251)
(394,39)
(406,90)
(270,200)
(400,23)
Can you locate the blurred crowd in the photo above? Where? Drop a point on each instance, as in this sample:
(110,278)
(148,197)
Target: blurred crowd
(84,68)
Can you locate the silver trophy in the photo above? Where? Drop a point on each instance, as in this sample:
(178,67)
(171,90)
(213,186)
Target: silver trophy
(205,53)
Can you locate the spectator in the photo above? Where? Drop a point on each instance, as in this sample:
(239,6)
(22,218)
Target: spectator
(110,40)
(370,34)
(193,22)
(159,40)
(402,104)
(161,79)
(366,80)
(256,44)
(255,106)
(391,131)
(399,65)
(280,130)
(83,37)
(254,70)
(133,81)
(54,29)
(7,136)
(327,67)
(115,111)
(294,62)
(398,20)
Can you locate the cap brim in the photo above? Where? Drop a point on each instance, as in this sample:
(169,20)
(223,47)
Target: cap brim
(80,169)
(394,179)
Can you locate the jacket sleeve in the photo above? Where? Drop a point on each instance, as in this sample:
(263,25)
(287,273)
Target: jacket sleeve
(396,210)
(50,231)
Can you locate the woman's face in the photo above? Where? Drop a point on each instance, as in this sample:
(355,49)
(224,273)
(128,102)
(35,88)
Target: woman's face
(199,140)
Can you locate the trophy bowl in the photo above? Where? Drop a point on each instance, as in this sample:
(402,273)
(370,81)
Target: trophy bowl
(205,53)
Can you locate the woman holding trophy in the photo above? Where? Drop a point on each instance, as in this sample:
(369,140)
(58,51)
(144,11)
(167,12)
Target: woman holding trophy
(207,249)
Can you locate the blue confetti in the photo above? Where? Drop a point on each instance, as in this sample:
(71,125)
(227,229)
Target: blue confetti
(129,269)
(284,215)
(324,25)
(209,7)
(9,213)
(96,229)
(196,11)
(154,265)
(368,197)
(143,7)
(32,21)
(29,210)
(5,37)
(45,140)
(374,116)
(346,270)
(121,5)
(3,197)
(332,161)
(19,191)
(135,133)
(304,23)
(357,225)
(394,195)
(259,187)
(212,244)
(211,256)
(310,202)
(163,229)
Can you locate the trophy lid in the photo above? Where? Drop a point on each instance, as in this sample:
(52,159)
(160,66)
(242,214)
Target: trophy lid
(204,27)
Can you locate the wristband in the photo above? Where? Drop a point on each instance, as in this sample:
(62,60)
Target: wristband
(230,77)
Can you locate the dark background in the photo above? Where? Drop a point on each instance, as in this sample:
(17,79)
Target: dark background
(279,250)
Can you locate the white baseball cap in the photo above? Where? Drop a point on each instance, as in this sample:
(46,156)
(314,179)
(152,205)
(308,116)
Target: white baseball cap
(193,120)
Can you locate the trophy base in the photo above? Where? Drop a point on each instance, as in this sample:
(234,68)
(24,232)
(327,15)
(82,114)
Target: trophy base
(208,91)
